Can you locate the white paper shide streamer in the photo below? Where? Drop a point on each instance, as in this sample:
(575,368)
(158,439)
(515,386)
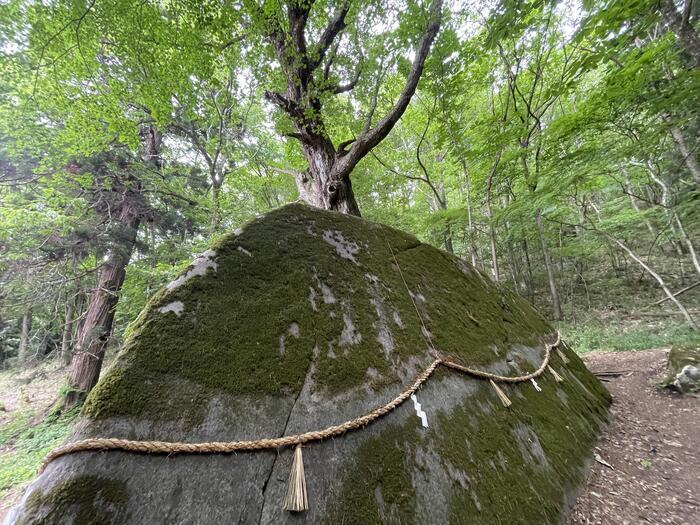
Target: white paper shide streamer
(419,411)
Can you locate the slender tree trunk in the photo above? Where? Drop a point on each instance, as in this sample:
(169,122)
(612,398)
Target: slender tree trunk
(658,279)
(473,250)
(23,351)
(633,202)
(97,327)
(67,339)
(688,242)
(447,239)
(553,292)
(528,267)
(688,156)
(665,202)
(495,271)
(447,231)
(489,212)
(215,206)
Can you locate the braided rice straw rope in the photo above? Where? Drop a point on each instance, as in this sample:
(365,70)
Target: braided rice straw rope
(224,447)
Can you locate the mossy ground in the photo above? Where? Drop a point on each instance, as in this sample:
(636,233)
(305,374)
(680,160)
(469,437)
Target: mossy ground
(25,438)
(617,332)
(334,278)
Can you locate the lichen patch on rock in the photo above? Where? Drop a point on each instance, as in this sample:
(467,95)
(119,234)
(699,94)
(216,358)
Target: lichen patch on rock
(176,307)
(198,267)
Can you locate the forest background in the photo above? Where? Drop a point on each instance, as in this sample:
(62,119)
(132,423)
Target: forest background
(551,144)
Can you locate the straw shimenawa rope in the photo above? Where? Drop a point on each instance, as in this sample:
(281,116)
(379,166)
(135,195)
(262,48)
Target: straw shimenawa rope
(223,447)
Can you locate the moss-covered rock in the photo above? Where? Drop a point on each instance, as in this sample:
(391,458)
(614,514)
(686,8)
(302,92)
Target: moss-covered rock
(307,318)
(683,369)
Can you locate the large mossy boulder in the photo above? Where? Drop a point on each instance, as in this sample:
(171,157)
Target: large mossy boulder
(300,321)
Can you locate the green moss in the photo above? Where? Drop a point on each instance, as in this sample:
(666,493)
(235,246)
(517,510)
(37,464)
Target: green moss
(516,466)
(228,338)
(379,487)
(683,355)
(93,500)
(679,357)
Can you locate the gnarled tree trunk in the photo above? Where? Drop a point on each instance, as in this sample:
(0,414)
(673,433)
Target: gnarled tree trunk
(319,185)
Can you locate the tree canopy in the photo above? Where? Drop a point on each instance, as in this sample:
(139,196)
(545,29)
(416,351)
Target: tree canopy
(546,142)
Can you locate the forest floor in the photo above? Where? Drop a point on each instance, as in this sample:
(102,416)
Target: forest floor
(646,468)
(652,443)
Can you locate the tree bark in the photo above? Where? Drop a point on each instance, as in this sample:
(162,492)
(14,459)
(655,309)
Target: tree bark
(492,243)
(23,351)
(97,326)
(528,267)
(553,291)
(473,250)
(319,185)
(67,339)
(688,242)
(688,156)
(216,207)
(633,201)
(679,23)
(489,213)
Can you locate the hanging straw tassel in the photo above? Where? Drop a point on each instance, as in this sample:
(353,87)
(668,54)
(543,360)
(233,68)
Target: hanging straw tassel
(504,398)
(296,500)
(557,377)
(562,355)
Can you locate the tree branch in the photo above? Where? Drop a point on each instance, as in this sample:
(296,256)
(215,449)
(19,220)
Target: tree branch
(344,88)
(334,27)
(369,139)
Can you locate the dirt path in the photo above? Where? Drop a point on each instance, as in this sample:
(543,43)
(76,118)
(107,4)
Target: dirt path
(652,445)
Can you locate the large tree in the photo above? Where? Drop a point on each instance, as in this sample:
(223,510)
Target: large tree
(307,68)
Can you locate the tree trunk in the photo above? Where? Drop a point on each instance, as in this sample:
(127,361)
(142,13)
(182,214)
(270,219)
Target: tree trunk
(553,292)
(688,156)
(318,186)
(473,250)
(528,267)
(67,339)
(326,183)
(492,243)
(633,202)
(680,25)
(215,205)
(688,242)
(447,231)
(658,278)
(96,328)
(23,350)
(489,212)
